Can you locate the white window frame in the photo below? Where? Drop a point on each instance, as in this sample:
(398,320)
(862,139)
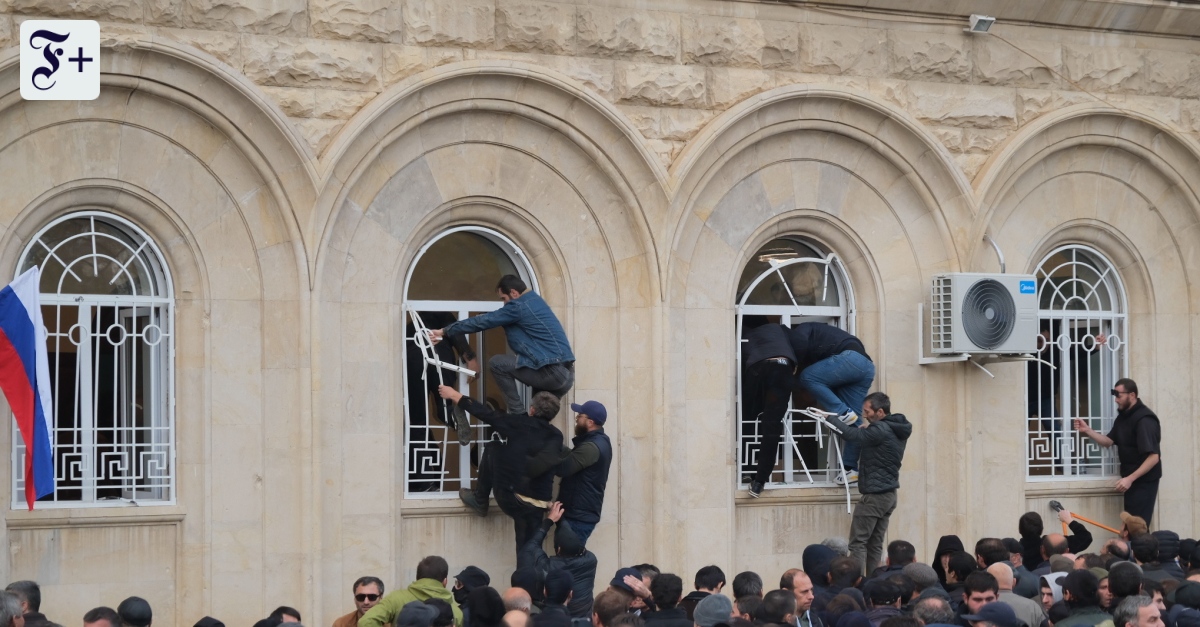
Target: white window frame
(462,309)
(843,316)
(160,488)
(1056,448)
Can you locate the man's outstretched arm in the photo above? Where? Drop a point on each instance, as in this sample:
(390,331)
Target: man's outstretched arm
(1097,437)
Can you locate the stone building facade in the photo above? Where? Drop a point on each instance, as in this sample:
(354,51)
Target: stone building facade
(289,161)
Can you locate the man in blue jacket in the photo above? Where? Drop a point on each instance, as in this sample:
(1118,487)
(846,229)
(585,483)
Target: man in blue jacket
(543,358)
(584,470)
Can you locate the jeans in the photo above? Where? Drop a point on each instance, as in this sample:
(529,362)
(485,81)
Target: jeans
(774,377)
(839,384)
(1140,497)
(583,530)
(554,378)
(869,526)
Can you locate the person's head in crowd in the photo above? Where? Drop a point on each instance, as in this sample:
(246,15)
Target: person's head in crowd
(904,586)
(989,551)
(1168,545)
(738,621)
(486,609)
(285,614)
(881,593)
(787,578)
(815,562)
(627,620)
(29,593)
(11,614)
(1154,589)
(839,605)
(415,614)
(979,589)
(712,610)
(845,572)
(135,612)
(667,590)
(1003,575)
(1187,546)
(517,599)
(1144,548)
(607,606)
(268,622)
(710,579)
(838,545)
(778,608)
(1116,547)
(208,621)
(1169,586)
(1050,589)
(746,606)
(900,553)
(1132,526)
(747,583)
(802,589)
(1058,612)
(544,405)
(934,610)
(946,546)
(516,618)
(445,613)
(901,621)
(1089,561)
(995,614)
(1188,595)
(1106,596)
(1137,611)
(1061,564)
(434,567)
(618,585)
(1016,552)
(95,617)
(470,578)
(1054,544)
(854,619)
(366,592)
(923,576)
(558,586)
(1125,580)
(649,572)
(1030,525)
(960,566)
(1081,589)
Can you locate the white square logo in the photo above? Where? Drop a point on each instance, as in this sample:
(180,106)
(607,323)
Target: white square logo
(60,59)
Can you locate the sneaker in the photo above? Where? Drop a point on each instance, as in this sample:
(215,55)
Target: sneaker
(756,488)
(846,477)
(848,418)
(468,499)
(461,424)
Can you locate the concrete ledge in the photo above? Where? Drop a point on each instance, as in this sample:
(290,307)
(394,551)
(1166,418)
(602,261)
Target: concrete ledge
(95,517)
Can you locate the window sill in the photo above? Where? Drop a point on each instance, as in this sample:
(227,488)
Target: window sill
(94,517)
(815,495)
(439,508)
(1100,486)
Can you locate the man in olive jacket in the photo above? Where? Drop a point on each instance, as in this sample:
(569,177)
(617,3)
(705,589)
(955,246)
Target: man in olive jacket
(882,441)
(432,574)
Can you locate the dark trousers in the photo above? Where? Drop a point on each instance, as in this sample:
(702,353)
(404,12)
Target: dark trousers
(869,526)
(526,518)
(1139,498)
(775,378)
(554,378)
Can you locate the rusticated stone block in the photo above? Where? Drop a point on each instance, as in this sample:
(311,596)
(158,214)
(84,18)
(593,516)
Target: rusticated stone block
(318,133)
(306,62)
(361,20)
(950,137)
(960,105)
(219,45)
(108,10)
(729,86)
(267,17)
(1189,117)
(1105,69)
(1174,74)
(122,36)
(711,40)
(469,23)
(163,13)
(1035,64)
(331,104)
(6,31)
(670,124)
(1034,102)
(930,56)
(612,31)
(828,49)
(535,26)
(982,140)
(670,85)
(400,62)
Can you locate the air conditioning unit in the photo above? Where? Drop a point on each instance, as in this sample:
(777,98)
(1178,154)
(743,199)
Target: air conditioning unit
(984,313)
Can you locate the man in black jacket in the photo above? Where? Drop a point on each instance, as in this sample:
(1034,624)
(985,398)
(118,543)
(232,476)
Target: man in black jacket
(584,471)
(1037,549)
(667,590)
(524,464)
(883,442)
(569,556)
(1136,433)
(770,366)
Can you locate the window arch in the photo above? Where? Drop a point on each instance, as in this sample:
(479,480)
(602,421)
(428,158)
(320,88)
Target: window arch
(1080,299)
(789,280)
(109,309)
(452,278)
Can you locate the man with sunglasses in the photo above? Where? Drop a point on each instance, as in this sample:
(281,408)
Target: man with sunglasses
(1136,433)
(367,591)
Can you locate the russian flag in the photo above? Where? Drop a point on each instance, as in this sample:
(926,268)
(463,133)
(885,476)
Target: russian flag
(25,379)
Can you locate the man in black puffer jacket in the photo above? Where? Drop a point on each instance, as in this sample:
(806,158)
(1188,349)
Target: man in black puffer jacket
(882,441)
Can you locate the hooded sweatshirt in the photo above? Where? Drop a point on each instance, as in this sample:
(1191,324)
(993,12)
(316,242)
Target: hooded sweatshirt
(420,590)
(946,545)
(816,560)
(1054,581)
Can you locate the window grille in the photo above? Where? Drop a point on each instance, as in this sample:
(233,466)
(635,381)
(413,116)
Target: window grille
(452,278)
(789,281)
(1080,299)
(108,307)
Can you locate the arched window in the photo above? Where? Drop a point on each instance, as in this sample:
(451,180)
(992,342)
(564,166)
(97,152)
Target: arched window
(1080,300)
(789,281)
(109,310)
(453,277)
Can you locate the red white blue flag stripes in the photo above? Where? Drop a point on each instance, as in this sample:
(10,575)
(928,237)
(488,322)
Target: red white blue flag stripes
(25,379)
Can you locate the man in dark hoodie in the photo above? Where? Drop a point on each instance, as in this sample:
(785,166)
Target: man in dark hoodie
(570,556)
(882,441)
(941,556)
(1032,541)
(709,580)
(817,561)
(1168,551)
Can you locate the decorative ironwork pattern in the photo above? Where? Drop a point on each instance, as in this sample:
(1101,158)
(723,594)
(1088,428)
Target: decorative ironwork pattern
(1083,352)
(109,312)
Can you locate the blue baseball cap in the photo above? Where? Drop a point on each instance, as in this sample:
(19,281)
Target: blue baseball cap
(593,410)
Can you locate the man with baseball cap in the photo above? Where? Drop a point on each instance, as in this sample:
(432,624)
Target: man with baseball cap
(584,470)
(994,614)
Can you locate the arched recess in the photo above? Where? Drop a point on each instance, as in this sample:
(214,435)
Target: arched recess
(871,185)
(191,153)
(525,153)
(1126,185)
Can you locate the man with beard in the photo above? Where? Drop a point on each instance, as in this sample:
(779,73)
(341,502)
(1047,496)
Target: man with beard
(1136,433)
(584,470)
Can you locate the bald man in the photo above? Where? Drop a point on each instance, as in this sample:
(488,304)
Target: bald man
(518,600)
(516,618)
(1027,610)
